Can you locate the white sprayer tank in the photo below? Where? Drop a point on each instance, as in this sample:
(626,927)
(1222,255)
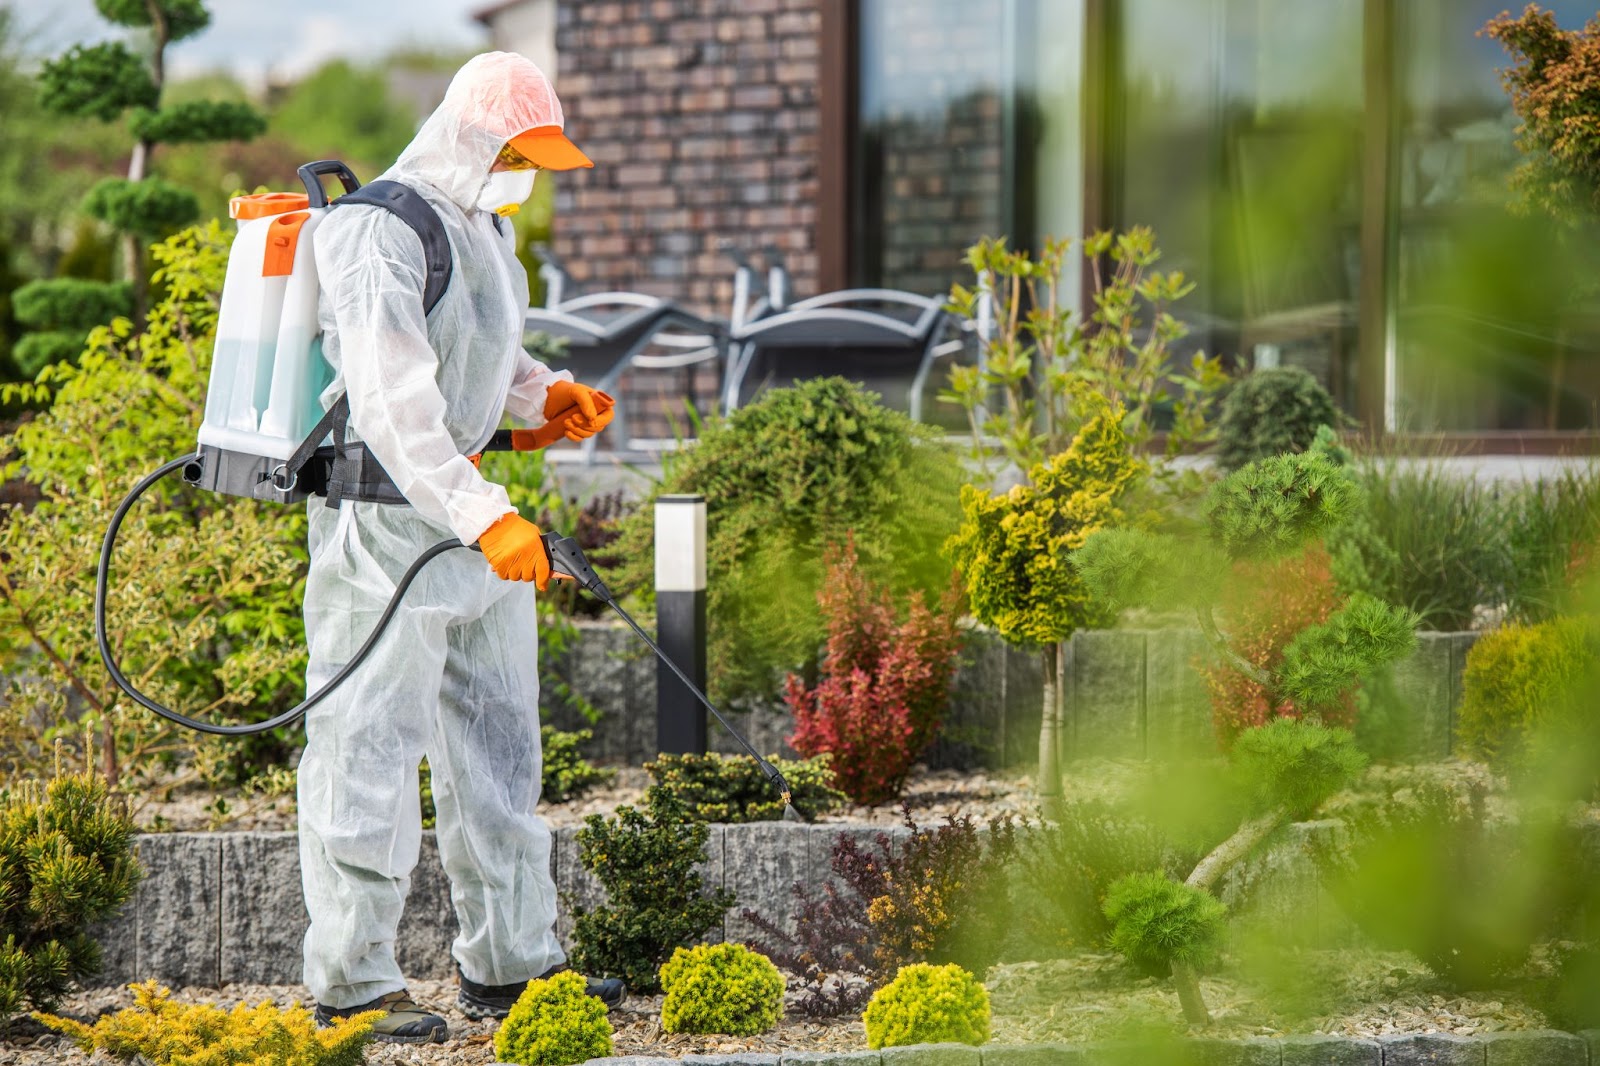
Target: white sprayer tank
(267,369)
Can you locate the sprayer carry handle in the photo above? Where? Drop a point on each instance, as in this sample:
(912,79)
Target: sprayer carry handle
(311,175)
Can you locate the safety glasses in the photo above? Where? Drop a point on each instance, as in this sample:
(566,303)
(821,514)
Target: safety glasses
(512,159)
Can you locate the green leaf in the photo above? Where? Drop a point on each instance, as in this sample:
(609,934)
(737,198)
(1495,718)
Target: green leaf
(96,81)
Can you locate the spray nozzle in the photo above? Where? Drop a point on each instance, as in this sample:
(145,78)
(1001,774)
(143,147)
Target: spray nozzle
(567,557)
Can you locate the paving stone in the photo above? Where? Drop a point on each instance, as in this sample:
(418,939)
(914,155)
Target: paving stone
(974,730)
(1177,709)
(178,908)
(1414,719)
(1107,678)
(1460,644)
(761,862)
(576,888)
(1255,1051)
(118,937)
(747,1058)
(932,1055)
(1034,1055)
(1330,1051)
(831,1058)
(628,1060)
(1431,1049)
(263,909)
(1539,1047)
(820,842)
(1591,1038)
(1023,705)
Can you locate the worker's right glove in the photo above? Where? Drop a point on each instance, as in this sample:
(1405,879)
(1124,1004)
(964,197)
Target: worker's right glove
(514,548)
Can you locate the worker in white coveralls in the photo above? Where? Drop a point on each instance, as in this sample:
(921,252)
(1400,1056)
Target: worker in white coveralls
(455,676)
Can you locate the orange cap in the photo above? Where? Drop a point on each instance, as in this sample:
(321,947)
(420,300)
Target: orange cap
(548,147)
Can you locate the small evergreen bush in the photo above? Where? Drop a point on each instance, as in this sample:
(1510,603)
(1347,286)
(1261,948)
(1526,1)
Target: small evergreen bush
(177,1034)
(66,861)
(566,774)
(720,988)
(646,861)
(783,478)
(1157,922)
(928,1005)
(1517,679)
(1272,411)
(554,1023)
(733,789)
(885,684)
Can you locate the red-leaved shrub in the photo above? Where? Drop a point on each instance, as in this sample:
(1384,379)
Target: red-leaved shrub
(885,682)
(1266,607)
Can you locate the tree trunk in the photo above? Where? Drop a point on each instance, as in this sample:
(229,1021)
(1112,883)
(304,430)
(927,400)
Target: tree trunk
(1049,786)
(1211,868)
(1189,997)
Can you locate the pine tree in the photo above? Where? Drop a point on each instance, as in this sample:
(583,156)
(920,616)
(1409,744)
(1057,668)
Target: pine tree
(106,81)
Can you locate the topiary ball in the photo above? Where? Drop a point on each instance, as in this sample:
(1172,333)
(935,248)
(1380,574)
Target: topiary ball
(553,1023)
(1270,412)
(928,1005)
(720,988)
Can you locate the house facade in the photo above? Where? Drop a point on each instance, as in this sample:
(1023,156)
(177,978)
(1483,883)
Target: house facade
(1333,176)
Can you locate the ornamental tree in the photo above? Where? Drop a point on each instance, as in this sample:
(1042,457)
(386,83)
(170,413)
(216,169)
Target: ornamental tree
(1012,551)
(105,82)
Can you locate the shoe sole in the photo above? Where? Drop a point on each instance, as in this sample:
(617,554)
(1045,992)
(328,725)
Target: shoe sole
(478,1012)
(436,1037)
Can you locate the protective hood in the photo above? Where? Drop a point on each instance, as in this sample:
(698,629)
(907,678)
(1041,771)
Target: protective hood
(493,98)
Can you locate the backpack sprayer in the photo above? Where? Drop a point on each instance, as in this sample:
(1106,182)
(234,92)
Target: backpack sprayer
(263,428)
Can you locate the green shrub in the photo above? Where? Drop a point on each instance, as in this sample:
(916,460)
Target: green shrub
(554,1023)
(566,773)
(733,789)
(720,988)
(1517,678)
(1270,412)
(654,903)
(1295,765)
(1157,922)
(1424,538)
(66,861)
(783,478)
(1273,506)
(1065,867)
(178,1034)
(928,1005)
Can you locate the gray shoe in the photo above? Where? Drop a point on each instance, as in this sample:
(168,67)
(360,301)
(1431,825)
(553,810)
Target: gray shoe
(403,1022)
(495,1001)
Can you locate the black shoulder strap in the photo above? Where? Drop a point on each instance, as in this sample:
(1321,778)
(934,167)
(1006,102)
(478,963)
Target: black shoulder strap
(406,204)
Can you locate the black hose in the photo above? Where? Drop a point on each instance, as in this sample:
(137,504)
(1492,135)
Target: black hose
(103,581)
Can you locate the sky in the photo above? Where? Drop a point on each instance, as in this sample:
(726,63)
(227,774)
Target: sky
(282,38)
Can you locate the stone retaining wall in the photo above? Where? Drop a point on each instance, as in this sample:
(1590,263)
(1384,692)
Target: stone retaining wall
(226,908)
(1130,694)
(1544,1047)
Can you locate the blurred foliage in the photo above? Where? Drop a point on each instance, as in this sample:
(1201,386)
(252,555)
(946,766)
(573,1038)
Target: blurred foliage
(1156,921)
(205,604)
(785,477)
(1054,370)
(1274,506)
(343,111)
(1270,412)
(1294,766)
(1553,538)
(1517,679)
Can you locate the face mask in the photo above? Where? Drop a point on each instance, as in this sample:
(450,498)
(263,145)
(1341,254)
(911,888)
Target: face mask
(506,190)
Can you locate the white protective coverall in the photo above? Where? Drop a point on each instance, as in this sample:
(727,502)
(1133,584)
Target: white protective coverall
(455,676)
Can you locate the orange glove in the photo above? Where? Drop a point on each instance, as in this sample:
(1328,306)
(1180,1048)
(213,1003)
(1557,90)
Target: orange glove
(582,410)
(512,546)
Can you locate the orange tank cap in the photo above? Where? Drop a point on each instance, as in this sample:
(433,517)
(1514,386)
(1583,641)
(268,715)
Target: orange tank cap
(281,241)
(263,204)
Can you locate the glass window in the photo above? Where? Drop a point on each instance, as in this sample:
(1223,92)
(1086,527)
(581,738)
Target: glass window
(1494,326)
(967,126)
(1235,134)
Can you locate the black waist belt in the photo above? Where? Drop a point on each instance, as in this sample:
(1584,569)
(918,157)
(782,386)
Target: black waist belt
(353,474)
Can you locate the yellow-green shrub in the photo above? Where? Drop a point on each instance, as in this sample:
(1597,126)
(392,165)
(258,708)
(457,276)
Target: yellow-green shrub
(720,988)
(553,1023)
(1516,680)
(928,1005)
(178,1034)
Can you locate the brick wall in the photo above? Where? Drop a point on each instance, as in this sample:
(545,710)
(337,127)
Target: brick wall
(701,118)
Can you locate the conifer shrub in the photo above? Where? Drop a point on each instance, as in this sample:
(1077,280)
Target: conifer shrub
(66,861)
(733,789)
(1516,680)
(1272,411)
(928,1005)
(720,988)
(783,478)
(885,682)
(655,901)
(179,1034)
(1157,922)
(554,1023)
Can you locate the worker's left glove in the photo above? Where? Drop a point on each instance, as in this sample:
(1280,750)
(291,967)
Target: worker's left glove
(582,410)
